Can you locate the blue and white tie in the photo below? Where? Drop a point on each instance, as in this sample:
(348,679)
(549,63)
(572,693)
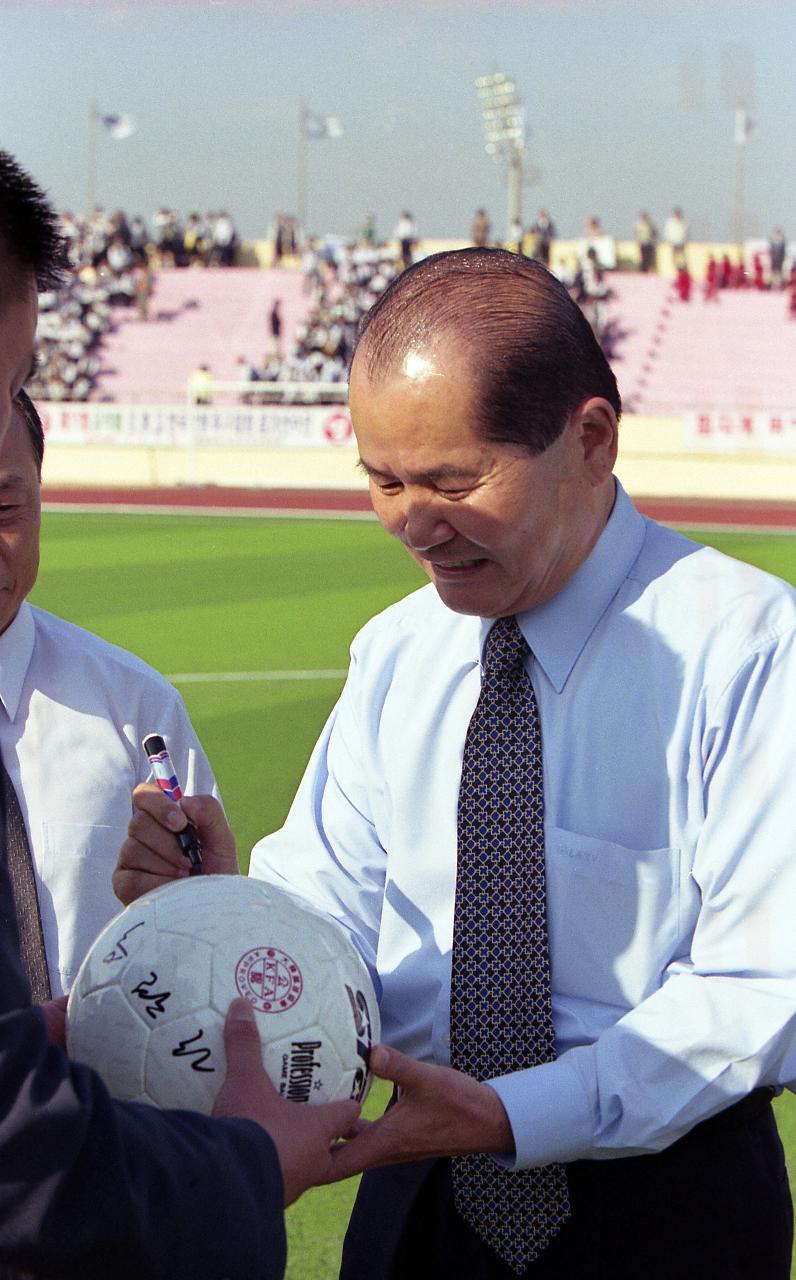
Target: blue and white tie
(501,1019)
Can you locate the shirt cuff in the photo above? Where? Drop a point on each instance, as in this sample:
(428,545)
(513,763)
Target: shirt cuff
(549,1113)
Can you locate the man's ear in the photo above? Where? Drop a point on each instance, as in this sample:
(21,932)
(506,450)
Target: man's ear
(597,431)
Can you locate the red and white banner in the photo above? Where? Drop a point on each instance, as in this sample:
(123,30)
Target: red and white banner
(329,426)
(164,426)
(733,431)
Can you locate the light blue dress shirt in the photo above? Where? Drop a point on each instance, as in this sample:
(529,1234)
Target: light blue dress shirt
(666,680)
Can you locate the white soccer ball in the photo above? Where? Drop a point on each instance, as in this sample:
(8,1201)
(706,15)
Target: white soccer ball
(148,1004)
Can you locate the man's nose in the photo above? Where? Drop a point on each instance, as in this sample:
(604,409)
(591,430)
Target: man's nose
(424,524)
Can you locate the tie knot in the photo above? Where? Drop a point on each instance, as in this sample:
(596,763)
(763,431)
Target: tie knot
(506,647)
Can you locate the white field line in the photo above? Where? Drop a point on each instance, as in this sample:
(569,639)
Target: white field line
(237,677)
(715,526)
(142,509)
(302,513)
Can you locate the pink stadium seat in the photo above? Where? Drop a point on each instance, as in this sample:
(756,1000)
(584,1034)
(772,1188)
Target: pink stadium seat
(736,353)
(668,355)
(197,317)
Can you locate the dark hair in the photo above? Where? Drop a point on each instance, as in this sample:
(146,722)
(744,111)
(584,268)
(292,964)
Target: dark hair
(33,422)
(529,345)
(31,243)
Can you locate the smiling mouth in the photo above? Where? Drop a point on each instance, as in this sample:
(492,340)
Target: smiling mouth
(456,566)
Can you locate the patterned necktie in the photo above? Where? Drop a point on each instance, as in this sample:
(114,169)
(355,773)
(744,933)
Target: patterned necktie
(501,1019)
(23,885)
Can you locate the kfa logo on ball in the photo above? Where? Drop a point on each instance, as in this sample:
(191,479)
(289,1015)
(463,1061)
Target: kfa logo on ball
(269,978)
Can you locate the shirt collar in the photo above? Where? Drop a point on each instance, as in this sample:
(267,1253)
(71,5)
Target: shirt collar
(16,651)
(557,630)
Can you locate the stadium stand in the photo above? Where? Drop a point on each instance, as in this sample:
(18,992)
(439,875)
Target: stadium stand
(208,317)
(72,322)
(133,326)
(668,355)
(735,352)
(113,258)
(634,308)
(221,330)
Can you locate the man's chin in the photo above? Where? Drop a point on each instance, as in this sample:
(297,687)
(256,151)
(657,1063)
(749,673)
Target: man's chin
(468,590)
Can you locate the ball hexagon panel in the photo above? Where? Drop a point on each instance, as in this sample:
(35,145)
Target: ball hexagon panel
(167,978)
(104,1032)
(186,1062)
(212,903)
(120,940)
(305,1067)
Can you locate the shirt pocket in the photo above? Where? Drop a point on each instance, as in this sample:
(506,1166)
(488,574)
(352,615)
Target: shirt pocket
(77,898)
(613,917)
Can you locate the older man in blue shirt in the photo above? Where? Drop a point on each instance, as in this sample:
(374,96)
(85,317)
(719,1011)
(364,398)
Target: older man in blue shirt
(486,418)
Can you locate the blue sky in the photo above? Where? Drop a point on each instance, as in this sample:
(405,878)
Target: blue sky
(629,106)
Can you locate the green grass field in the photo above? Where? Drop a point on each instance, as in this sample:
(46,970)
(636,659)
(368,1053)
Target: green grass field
(197,597)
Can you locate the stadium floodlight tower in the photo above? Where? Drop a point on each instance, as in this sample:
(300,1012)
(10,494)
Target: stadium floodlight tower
(504,130)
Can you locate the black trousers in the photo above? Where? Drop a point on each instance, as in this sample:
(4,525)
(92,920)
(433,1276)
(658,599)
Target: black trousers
(713,1206)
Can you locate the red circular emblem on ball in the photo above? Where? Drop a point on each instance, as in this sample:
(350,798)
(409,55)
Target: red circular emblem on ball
(269,979)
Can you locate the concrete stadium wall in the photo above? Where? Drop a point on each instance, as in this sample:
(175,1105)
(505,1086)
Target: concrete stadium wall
(653,462)
(135,466)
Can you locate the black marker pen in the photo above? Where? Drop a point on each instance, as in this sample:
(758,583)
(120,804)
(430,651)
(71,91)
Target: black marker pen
(166,778)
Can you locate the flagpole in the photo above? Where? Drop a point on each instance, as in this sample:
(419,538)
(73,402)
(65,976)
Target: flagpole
(741,128)
(301,174)
(91,177)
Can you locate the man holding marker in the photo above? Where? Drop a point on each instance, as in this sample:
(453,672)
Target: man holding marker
(166,778)
(91,1188)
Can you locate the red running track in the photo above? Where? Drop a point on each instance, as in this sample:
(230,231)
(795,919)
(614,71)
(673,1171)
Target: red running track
(690,512)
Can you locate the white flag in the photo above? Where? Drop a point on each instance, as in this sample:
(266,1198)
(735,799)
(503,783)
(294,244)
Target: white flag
(118,126)
(322,126)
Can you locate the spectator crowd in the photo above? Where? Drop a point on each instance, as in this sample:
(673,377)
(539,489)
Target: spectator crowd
(113,259)
(342,280)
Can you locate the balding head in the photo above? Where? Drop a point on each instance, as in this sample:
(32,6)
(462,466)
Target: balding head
(531,352)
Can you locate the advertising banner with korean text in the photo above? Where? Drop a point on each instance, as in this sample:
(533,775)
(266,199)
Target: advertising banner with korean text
(277,426)
(734,431)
